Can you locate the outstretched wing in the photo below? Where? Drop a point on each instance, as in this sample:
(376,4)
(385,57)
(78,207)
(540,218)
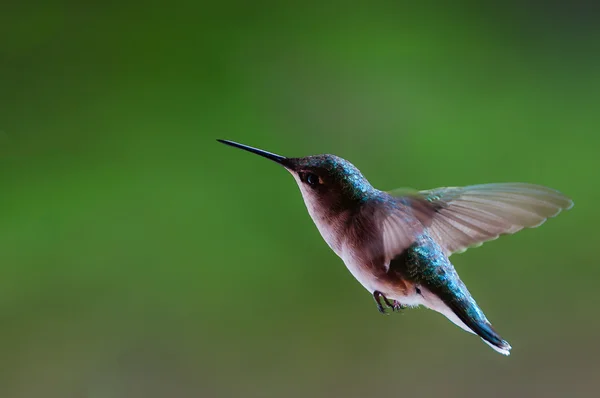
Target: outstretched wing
(463,217)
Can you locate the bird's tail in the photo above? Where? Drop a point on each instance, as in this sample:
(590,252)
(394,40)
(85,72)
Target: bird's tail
(469,313)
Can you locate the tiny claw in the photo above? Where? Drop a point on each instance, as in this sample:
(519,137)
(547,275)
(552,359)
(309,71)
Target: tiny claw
(397,306)
(381,309)
(377,295)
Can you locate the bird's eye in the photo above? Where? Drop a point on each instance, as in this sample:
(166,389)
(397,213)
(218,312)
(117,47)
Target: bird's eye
(312,179)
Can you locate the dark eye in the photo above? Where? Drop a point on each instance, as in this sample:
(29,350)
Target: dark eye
(311,179)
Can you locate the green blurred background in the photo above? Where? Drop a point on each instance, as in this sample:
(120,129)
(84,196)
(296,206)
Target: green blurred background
(140,258)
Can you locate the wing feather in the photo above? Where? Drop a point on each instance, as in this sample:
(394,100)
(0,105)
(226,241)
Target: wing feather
(468,216)
(402,221)
(463,217)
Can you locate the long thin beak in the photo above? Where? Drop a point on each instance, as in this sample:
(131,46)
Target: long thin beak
(276,158)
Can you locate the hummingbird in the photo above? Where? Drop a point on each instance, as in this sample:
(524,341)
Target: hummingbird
(397,243)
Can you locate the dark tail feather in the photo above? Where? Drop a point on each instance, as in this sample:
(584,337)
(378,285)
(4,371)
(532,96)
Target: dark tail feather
(472,316)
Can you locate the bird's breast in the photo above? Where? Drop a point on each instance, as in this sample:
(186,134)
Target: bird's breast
(351,238)
(330,232)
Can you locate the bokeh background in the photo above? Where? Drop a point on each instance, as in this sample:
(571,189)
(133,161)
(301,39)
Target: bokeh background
(140,258)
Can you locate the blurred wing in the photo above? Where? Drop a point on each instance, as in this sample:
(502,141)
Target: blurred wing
(468,216)
(403,221)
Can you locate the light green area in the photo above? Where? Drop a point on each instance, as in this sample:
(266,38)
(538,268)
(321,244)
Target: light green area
(140,258)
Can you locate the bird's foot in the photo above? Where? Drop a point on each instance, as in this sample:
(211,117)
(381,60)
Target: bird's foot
(395,305)
(378,296)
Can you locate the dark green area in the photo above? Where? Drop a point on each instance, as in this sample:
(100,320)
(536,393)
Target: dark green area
(140,258)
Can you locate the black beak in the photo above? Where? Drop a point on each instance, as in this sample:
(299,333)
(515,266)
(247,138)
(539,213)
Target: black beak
(276,158)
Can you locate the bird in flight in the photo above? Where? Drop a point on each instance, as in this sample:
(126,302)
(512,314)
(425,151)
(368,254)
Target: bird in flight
(397,244)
